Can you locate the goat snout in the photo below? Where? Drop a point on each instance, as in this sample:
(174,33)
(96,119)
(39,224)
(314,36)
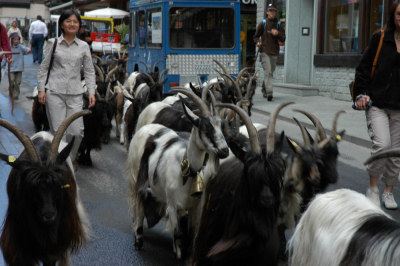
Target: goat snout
(49,216)
(223,153)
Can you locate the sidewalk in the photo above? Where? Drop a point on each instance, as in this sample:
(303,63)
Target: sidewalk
(324,108)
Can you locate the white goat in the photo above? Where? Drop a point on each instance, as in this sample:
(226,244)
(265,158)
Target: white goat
(155,159)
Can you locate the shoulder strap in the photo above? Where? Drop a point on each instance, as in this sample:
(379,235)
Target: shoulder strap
(51,60)
(264,24)
(377,53)
(278,25)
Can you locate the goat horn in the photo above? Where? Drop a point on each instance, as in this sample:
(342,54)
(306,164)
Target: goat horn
(24,139)
(98,58)
(108,91)
(59,134)
(196,99)
(334,127)
(320,129)
(155,64)
(148,68)
(238,90)
(222,67)
(253,134)
(164,72)
(151,79)
(98,69)
(97,94)
(306,139)
(239,76)
(247,97)
(123,54)
(227,81)
(271,127)
(119,54)
(383,154)
(109,75)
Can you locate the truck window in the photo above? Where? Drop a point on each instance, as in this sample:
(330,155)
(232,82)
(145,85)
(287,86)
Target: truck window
(201,28)
(154,27)
(142,29)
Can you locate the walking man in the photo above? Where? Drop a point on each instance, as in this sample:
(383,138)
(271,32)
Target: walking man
(37,33)
(270,32)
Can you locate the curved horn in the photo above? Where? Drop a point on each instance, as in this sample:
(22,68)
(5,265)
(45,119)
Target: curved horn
(97,94)
(306,139)
(334,127)
(384,154)
(108,91)
(247,97)
(98,58)
(271,127)
(109,75)
(253,134)
(196,99)
(227,81)
(24,139)
(119,54)
(222,67)
(320,129)
(151,79)
(59,134)
(148,68)
(123,54)
(155,64)
(98,69)
(238,90)
(239,76)
(164,72)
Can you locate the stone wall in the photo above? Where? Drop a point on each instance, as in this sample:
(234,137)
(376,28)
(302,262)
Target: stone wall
(333,81)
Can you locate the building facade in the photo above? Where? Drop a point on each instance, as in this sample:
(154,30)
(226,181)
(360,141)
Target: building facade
(324,43)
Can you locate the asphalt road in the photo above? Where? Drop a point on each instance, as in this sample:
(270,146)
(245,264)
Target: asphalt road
(104,191)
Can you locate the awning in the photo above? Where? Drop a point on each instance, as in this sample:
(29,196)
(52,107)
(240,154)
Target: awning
(70,3)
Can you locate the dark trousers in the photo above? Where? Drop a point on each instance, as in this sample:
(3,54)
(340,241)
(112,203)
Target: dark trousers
(37,47)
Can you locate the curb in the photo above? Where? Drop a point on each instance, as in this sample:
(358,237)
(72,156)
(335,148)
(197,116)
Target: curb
(353,139)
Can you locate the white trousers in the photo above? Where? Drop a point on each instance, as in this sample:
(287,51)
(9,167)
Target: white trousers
(58,108)
(384,131)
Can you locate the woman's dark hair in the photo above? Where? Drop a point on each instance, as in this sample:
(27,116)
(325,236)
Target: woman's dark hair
(66,14)
(390,26)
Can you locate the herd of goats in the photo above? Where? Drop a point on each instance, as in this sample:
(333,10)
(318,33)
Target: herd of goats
(227,188)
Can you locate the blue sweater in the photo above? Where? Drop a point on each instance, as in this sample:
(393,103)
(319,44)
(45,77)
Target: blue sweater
(17,64)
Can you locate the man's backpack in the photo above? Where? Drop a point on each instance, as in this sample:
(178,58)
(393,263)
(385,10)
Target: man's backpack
(265,24)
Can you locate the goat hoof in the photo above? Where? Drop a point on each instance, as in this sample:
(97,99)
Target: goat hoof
(138,244)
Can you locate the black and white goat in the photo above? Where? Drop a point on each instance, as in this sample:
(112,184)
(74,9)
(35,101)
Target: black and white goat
(239,219)
(343,227)
(45,218)
(155,159)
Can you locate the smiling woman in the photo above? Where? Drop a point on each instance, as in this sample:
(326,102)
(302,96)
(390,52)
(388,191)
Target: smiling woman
(59,78)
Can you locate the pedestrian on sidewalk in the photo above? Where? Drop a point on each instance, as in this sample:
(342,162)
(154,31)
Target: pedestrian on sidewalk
(382,94)
(4,44)
(17,65)
(271,32)
(63,92)
(37,34)
(14,28)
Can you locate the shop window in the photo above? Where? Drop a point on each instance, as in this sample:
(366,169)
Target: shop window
(376,21)
(154,28)
(341,26)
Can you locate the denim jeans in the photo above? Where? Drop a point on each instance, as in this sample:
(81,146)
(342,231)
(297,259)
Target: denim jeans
(37,47)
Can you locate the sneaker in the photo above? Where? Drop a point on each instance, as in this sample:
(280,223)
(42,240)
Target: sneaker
(373,195)
(388,201)
(270,98)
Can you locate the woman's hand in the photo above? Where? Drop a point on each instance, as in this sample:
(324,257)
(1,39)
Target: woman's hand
(42,97)
(362,102)
(92,100)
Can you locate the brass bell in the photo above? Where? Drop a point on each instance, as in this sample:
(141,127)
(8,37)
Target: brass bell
(197,186)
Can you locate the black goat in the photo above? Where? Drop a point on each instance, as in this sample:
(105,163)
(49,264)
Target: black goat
(97,126)
(45,219)
(239,220)
(39,115)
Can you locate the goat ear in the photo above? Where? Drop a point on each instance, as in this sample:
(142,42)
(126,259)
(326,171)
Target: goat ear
(192,117)
(293,145)
(238,151)
(280,142)
(9,159)
(63,155)
(339,136)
